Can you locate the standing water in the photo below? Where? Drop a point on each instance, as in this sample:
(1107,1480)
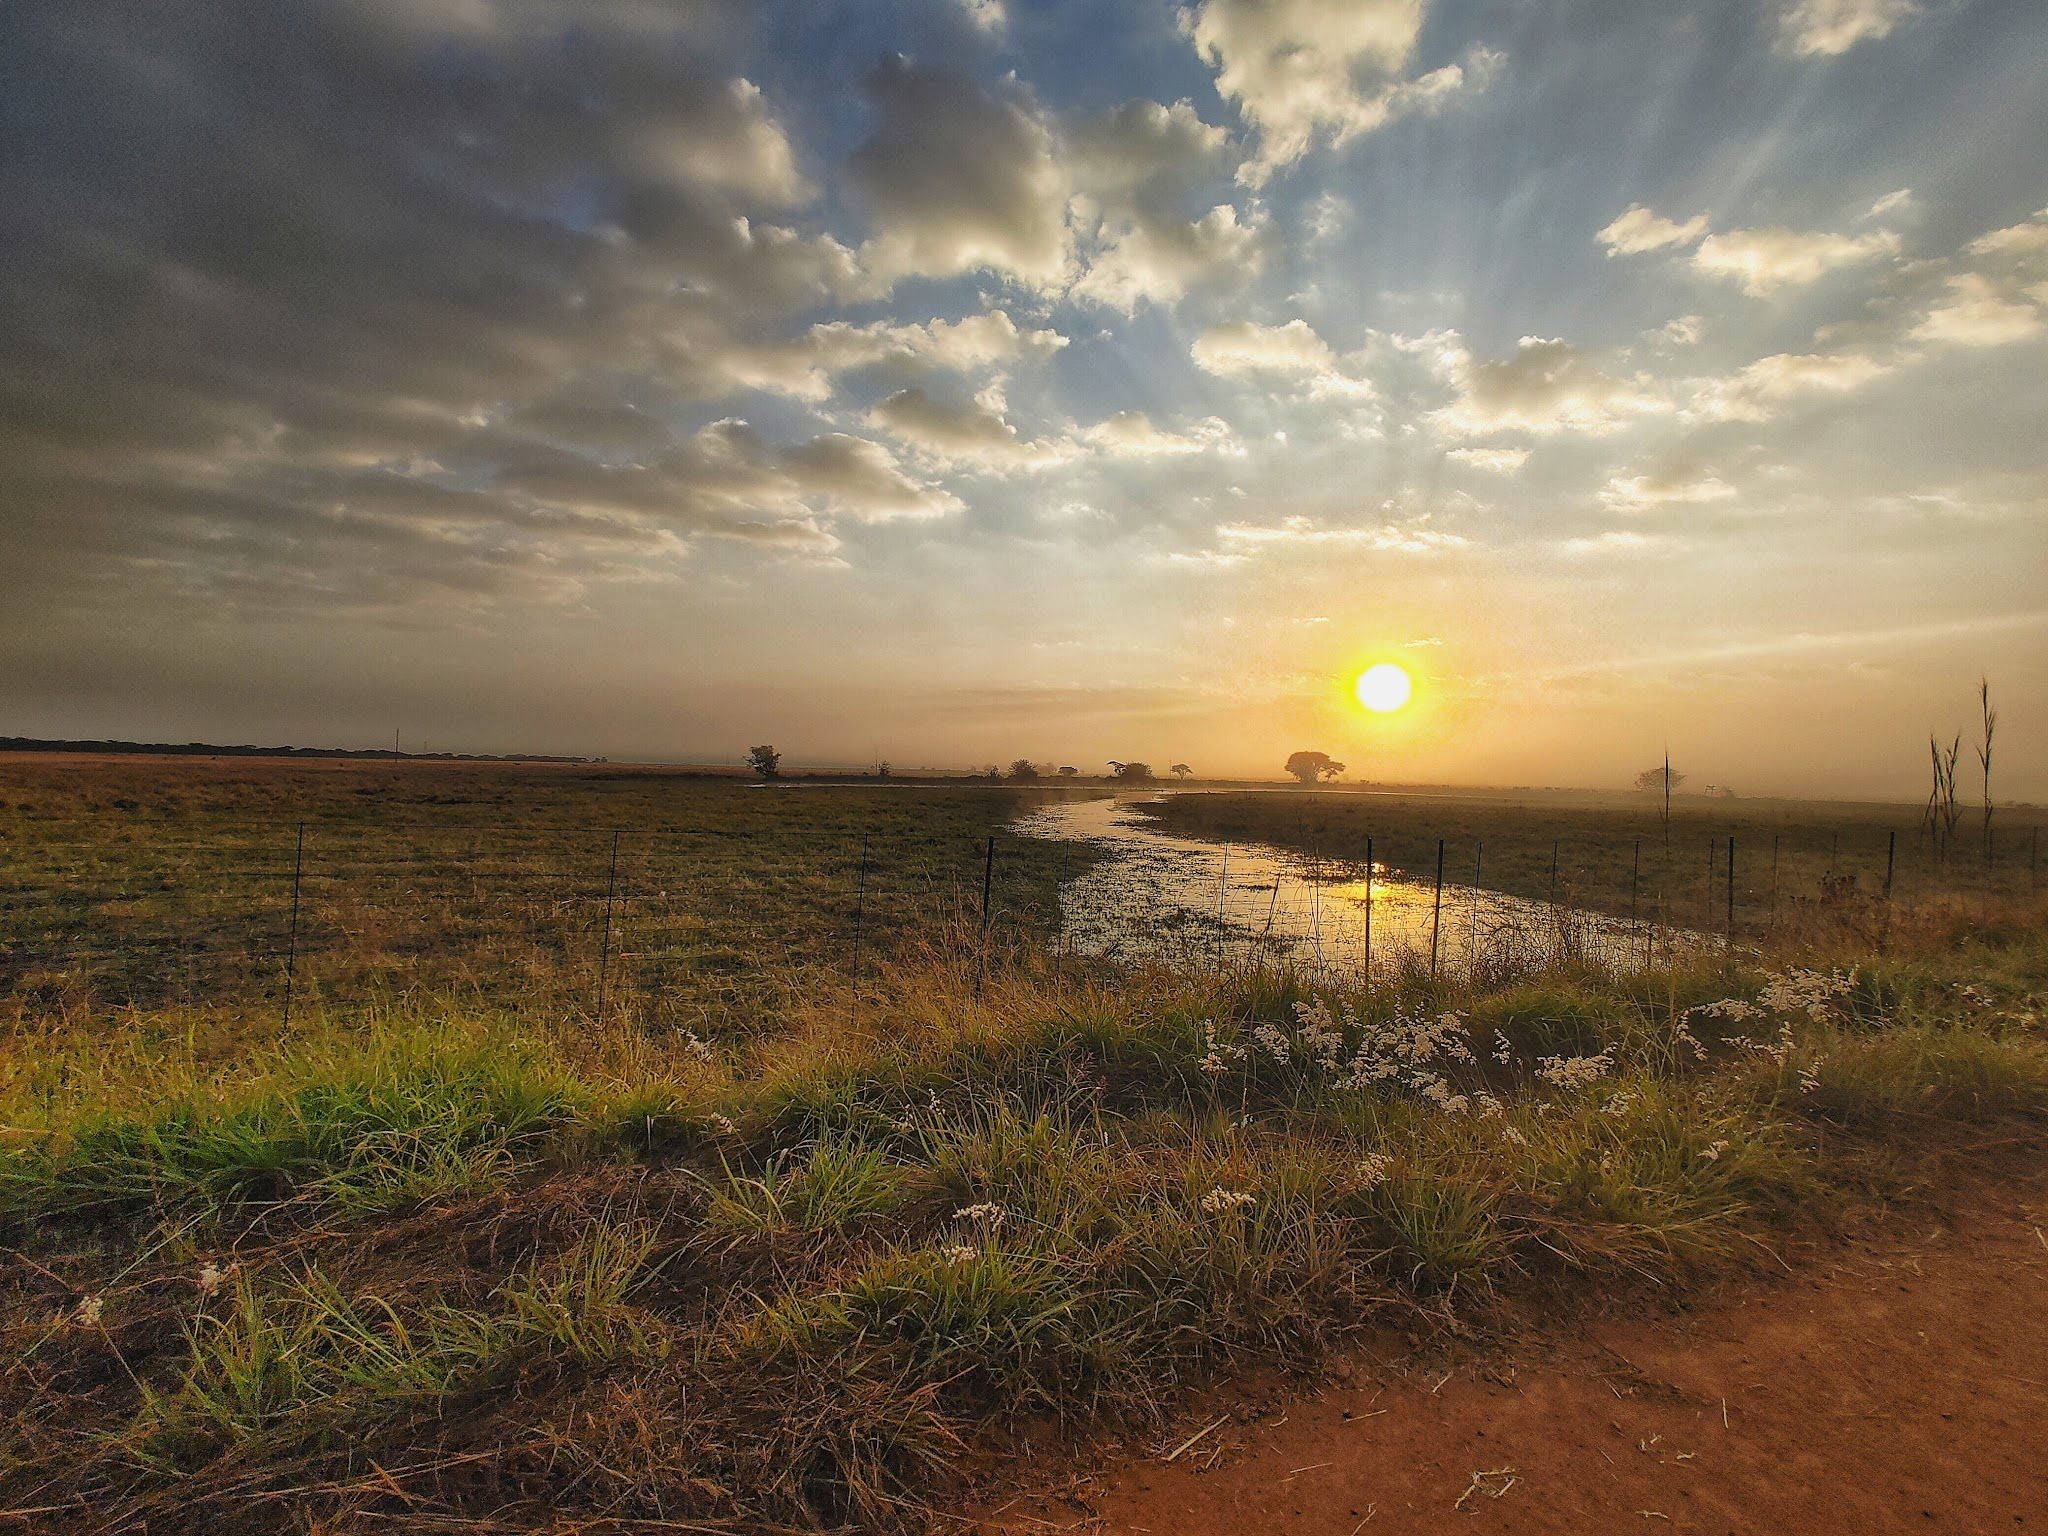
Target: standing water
(1157,897)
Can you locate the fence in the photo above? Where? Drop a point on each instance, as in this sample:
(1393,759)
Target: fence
(682,921)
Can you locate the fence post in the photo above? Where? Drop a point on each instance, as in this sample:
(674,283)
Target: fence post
(604,954)
(1891,859)
(1437,912)
(1368,910)
(860,912)
(291,954)
(988,878)
(2034,862)
(1478,865)
(1635,879)
(1553,872)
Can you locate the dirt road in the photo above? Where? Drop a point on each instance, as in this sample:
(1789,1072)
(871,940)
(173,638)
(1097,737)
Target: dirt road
(1897,1383)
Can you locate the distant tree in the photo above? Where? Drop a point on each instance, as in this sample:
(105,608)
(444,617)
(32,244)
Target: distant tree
(1651,780)
(1069,772)
(1022,769)
(882,769)
(765,761)
(1311,766)
(1181,770)
(1131,773)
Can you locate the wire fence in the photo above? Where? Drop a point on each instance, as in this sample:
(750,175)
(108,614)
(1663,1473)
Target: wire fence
(676,922)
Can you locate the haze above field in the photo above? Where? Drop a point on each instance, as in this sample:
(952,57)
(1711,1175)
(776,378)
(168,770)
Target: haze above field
(961,380)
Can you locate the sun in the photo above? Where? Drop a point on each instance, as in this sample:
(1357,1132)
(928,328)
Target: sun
(1384,688)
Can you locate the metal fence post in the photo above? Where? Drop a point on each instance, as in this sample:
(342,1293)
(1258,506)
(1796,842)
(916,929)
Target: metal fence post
(1368,910)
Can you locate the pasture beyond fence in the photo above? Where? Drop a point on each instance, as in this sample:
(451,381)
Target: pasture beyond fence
(675,922)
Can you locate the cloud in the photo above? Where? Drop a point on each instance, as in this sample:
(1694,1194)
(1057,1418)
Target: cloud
(727,480)
(1546,386)
(2016,240)
(1829,27)
(287,284)
(1303,69)
(1132,434)
(1244,347)
(1162,262)
(1638,230)
(971,435)
(1681,485)
(1499,461)
(991,16)
(1614,542)
(809,365)
(1891,202)
(1758,391)
(1976,314)
(1140,170)
(957,177)
(1412,537)
(1765,260)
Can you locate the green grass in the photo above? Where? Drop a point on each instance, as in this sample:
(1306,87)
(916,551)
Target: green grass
(788,1266)
(1616,854)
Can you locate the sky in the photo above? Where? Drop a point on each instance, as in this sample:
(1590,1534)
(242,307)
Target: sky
(950,381)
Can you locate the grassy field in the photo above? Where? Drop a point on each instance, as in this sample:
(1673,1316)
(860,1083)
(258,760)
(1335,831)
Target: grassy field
(167,884)
(455,1251)
(1618,855)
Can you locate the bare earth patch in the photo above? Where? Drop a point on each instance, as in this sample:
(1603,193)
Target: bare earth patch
(1896,1383)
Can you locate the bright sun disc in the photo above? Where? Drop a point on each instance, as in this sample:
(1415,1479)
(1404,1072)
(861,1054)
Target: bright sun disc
(1383,688)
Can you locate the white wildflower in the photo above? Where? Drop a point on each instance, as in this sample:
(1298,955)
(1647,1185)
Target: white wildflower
(1220,1201)
(88,1312)
(987,1214)
(1372,1169)
(1713,1153)
(1513,1136)
(211,1278)
(1575,1071)
(721,1125)
(1503,1052)
(960,1253)
(1275,1043)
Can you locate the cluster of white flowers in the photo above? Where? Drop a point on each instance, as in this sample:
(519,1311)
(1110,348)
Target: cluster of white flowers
(960,1253)
(88,1312)
(1273,1041)
(1618,1104)
(721,1125)
(1220,1201)
(987,1214)
(1217,1057)
(1503,1052)
(1575,1071)
(1713,1153)
(1513,1136)
(1812,993)
(1809,1077)
(698,1048)
(1372,1169)
(1682,1035)
(212,1277)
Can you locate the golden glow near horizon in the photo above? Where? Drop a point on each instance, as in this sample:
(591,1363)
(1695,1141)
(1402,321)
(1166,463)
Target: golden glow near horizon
(1384,688)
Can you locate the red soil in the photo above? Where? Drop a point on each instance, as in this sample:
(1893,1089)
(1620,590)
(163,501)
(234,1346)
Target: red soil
(1895,1382)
